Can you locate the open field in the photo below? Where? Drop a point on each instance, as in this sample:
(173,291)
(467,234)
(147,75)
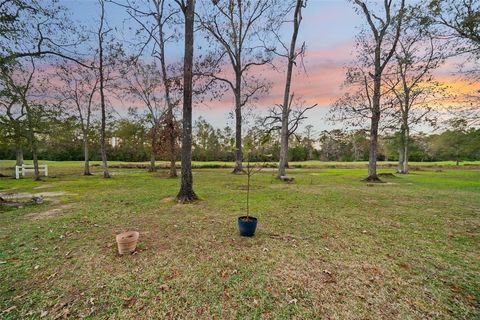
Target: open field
(7,167)
(327,246)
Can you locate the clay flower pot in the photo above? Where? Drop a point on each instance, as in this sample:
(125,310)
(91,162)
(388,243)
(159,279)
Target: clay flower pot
(127,241)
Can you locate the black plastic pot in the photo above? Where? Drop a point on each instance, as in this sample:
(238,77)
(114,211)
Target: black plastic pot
(247,226)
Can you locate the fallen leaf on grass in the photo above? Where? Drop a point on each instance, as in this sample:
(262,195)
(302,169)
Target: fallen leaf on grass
(19,296)
(129,302)
(65,314)
(52,275)
(9,309)
(164,287)
(293,301)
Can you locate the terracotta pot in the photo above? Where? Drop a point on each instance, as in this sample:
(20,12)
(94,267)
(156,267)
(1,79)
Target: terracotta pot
(127,241)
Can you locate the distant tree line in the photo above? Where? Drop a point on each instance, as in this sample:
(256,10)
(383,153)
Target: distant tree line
(129,140)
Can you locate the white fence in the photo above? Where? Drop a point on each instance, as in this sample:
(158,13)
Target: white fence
(23,169)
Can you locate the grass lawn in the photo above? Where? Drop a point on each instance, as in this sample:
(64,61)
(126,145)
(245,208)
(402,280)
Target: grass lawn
(327,246)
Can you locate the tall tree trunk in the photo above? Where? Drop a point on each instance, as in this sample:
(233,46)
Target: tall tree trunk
(32,140)
(86,155)
(283,163)
(166,83)
(238,125)
(172,143)
(406,150)
(103,144)
(379,66)
(401,150)
(186,193)
(18,149)
(152,167)
(372,154)
(375,120)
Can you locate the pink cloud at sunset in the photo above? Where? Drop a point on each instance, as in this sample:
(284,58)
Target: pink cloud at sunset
(319,82)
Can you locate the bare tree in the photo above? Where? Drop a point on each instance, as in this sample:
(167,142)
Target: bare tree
(143,83)
(77,92)
(238,27)
(154,18)
(274,121)
(18,81)
(412,83)
(292,53)
(186,193)
(101,37)
(458,23)
(12,118)
(385,32)
(35,29)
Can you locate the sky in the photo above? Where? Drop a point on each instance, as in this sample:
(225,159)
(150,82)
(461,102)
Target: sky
(328,30)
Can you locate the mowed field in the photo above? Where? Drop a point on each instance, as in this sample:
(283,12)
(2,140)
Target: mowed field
(328,246)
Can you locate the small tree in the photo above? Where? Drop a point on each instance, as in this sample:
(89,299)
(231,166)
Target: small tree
(12,117)
(286,123)
(77,92)
(18,81)
(251,170)
(143,83)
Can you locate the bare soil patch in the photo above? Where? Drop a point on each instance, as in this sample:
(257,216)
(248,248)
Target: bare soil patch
(49,213)
(20,195)
(243,187)
(44,186)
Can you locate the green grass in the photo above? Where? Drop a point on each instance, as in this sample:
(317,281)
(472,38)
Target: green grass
(328,246)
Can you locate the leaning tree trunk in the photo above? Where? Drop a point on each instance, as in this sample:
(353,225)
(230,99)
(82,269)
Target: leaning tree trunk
(186,193)
(238,126)
(284,134)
